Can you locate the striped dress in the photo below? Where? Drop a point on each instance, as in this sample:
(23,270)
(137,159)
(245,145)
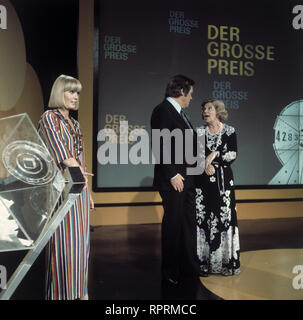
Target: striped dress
(68,249)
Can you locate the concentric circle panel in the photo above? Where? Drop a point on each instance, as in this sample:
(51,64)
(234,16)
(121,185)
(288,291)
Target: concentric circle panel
(28,162)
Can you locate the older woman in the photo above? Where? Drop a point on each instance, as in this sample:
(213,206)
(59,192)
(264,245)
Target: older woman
(68,249)
(218,237)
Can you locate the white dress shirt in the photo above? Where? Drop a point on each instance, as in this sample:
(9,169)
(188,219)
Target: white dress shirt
(178,108)
(175,104)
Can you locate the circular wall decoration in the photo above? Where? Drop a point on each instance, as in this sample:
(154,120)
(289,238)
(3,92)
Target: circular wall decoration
(288,144)
(28,162)
(13,59)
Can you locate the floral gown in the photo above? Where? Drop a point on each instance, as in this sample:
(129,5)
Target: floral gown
(217,230)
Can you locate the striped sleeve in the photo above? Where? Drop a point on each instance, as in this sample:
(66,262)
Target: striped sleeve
(52,137)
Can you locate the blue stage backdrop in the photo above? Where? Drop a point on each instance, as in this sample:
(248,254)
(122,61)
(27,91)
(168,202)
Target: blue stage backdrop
(246,53)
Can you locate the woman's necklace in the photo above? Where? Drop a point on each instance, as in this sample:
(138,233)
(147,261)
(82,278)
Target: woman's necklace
(214,140)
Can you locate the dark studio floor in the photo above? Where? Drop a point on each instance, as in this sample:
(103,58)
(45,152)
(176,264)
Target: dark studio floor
(125,261)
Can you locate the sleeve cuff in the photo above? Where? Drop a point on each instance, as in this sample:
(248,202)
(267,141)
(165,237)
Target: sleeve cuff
(173,177)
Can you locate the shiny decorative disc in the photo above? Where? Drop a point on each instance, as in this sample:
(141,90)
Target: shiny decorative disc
(29,162)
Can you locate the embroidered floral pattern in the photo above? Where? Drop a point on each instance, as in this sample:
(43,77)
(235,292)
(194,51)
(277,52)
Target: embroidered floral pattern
(229,156)
(213,141)
(200,207)
(229,130)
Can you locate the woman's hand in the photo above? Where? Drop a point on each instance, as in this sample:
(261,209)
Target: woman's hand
(72,162)
(87,174)
(91,202)
(210,158)
(210,170)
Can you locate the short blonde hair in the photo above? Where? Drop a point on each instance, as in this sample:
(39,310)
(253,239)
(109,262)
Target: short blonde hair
(62,84)
(219,105)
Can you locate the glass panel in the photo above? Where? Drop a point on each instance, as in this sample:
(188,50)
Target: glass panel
(30,184)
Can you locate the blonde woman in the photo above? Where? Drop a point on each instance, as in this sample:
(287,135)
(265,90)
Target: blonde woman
(68,249)
(218,245)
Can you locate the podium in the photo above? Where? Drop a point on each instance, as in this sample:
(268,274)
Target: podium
(34,195)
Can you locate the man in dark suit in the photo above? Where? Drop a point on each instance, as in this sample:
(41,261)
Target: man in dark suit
(175,185)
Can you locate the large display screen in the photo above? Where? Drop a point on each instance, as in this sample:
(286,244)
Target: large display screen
(246,53)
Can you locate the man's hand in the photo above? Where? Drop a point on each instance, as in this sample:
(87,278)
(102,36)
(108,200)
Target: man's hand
(177,182)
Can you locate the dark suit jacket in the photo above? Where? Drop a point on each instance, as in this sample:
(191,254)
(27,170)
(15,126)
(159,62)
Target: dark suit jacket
(165,116)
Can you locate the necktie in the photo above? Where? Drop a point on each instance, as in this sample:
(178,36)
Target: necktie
(183,115)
